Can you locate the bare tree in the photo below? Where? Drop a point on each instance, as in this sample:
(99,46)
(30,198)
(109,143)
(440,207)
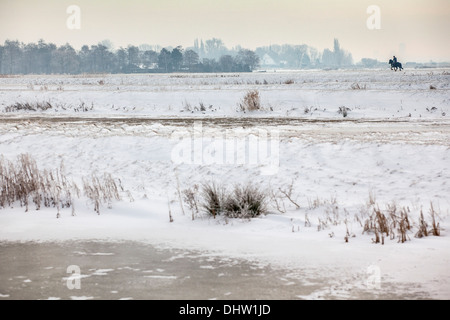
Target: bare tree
(214,48)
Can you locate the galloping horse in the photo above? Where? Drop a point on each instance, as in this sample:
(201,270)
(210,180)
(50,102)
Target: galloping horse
(396,65)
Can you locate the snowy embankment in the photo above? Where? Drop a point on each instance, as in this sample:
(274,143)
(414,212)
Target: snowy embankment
(338,172)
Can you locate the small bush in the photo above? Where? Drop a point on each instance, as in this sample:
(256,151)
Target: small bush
(251,102)
(289,81)
(241,202)
(432,87)
(245,202)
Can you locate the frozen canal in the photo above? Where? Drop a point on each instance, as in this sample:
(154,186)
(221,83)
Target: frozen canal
(133,270)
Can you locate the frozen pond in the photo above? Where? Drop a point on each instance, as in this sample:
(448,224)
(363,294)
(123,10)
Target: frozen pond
(134,270)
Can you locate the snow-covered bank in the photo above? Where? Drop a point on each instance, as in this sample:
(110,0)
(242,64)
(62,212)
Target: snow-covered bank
(330,176)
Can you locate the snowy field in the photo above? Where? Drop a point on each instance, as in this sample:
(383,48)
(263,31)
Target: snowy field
(371,94)
(392,150)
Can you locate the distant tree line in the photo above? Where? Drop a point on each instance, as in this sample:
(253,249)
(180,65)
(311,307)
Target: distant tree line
(281,56)
(304,57)
(47,58)
(204,56)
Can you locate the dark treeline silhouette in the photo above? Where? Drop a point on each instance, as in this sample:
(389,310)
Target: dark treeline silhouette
(204,56)
(47,58)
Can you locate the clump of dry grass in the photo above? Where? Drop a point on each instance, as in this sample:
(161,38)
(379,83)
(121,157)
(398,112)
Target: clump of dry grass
(423,227)
(344,111)
(101,190)
(245,201)
(27,106)
(82,107)
(357,86)
(435,228)
(378,223)
(242,201)
(202,107)
(23,182)
(213,199)
(44,106)
(396,223)
(385,225)
(251,102)
(403,225)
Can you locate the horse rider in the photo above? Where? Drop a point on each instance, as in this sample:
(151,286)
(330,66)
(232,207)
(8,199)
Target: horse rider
(395,60)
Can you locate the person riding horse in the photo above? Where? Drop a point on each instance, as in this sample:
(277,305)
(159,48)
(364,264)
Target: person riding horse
(394,64)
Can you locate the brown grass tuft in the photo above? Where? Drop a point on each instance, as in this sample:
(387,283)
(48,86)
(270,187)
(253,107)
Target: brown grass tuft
(251,102)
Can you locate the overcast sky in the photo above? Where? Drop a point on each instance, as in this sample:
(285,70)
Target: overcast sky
(414,30)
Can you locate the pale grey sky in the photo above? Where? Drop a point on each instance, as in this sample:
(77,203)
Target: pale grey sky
(414,30)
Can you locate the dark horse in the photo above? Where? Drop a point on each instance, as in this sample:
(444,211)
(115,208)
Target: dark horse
(395,65)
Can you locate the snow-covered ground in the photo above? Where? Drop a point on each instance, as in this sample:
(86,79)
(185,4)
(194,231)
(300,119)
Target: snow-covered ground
(368,93)
(392,148)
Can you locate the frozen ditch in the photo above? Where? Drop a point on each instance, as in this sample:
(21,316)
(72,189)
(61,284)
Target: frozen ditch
(135,270)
